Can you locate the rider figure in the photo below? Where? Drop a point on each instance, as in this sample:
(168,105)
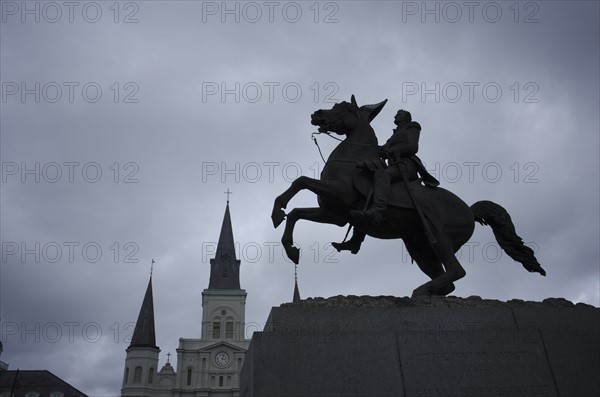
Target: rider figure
(400,150)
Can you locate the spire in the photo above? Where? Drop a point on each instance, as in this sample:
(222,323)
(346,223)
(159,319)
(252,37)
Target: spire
(143,335)
(226,245)
(224,267)
(296,297)
(296,293)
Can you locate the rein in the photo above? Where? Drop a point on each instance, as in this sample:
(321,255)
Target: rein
(314,138)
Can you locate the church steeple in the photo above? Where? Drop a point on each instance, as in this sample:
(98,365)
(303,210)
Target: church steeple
(296,297)
(144,334)
(225,267)
(141,361)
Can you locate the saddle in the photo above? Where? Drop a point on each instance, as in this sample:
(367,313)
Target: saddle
(399,197)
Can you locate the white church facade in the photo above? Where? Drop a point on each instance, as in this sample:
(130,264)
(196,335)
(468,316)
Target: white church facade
(207,366)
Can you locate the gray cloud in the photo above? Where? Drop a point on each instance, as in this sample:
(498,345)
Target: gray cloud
(166,159)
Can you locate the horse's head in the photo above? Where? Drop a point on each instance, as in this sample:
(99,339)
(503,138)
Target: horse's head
(341,118)
(344,117)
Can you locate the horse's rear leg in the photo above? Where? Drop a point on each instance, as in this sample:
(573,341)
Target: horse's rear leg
(429,263)
(453,269)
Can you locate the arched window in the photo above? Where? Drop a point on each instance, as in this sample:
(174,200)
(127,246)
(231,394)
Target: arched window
(220,381)
(151,375)
(189,376)
(137,375)
(216,330)
(229,330)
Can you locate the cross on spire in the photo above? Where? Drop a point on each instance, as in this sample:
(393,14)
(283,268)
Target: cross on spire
(168,357)
(228,192)
(151,267)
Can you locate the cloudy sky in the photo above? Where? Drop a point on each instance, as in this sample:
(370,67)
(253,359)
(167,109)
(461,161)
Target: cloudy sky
(123,124)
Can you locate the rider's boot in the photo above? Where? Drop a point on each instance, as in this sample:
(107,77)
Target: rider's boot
(352,245)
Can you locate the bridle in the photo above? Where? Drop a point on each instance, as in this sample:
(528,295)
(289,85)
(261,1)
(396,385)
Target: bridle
(314,138)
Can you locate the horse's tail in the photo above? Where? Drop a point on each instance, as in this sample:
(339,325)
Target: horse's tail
(489,213)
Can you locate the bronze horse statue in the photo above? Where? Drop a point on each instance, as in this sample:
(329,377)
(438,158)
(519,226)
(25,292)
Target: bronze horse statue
(431,241)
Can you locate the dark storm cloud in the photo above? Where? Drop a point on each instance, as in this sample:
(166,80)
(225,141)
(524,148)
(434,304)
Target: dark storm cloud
(200,106)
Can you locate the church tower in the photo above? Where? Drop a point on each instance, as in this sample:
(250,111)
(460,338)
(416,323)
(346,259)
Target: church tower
(210,366)
(141,361)
(224,290)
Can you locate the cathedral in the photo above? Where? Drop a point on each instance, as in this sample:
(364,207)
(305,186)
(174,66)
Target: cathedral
(208,366)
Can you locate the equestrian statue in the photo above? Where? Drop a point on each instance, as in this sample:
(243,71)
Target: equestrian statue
(386,192)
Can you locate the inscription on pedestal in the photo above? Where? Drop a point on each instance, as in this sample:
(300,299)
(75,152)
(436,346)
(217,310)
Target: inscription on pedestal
(479,365)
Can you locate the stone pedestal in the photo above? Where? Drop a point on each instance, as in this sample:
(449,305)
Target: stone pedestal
(387,346)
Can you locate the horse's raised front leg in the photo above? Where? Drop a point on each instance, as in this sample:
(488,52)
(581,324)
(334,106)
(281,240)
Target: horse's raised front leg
(315,214)
(320,188)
